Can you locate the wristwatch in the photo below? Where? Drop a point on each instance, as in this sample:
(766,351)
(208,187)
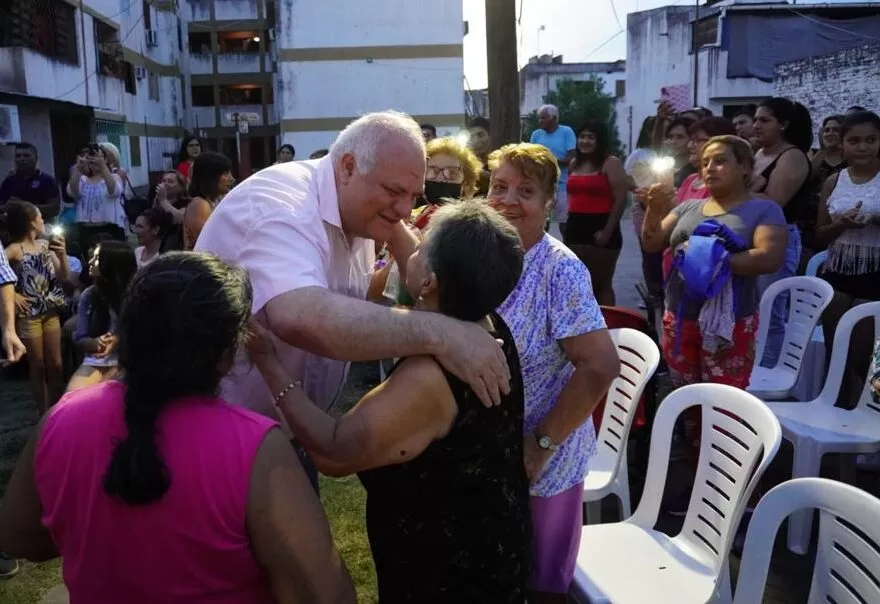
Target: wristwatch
(545,442)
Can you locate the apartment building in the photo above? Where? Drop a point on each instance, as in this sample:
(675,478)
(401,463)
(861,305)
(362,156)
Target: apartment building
(230,67)
(243,75)
(74,71)
(338,59)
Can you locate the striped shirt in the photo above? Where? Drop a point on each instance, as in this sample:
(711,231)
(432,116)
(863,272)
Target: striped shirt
(7,275)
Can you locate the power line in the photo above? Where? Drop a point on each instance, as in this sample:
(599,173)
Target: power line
(616,18)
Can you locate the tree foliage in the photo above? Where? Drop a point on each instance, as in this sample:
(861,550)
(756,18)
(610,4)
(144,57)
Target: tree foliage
(579,101)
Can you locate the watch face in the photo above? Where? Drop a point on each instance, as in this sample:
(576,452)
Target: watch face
(544,442)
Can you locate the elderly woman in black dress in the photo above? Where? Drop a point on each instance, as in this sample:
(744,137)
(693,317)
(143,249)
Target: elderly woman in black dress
(447,494)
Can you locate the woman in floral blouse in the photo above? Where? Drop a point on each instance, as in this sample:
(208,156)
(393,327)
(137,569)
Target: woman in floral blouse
(568,362)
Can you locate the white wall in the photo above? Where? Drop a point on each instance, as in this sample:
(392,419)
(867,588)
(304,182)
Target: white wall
(328,23)
(35,130)
(344,89)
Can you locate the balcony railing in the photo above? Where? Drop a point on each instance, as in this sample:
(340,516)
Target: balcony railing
(238,62)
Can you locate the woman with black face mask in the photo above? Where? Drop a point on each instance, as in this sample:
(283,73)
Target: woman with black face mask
(452,173)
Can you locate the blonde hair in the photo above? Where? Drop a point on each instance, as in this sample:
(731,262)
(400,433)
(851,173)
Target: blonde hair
(471,166)
(533,161)
(111,152)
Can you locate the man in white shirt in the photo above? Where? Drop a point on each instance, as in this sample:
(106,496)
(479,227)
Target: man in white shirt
(561,140)
(306,233)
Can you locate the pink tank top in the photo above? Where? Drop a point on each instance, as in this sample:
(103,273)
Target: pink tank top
(190,546)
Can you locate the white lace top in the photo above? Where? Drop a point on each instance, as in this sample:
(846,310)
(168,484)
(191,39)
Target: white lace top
(855,251)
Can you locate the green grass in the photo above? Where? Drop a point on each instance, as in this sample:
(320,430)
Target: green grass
(343,500)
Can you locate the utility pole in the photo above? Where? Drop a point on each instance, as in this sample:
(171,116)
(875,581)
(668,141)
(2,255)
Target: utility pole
(503,71)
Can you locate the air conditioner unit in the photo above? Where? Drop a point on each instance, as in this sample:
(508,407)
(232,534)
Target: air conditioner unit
(272,34)
(152,38)
(140,72)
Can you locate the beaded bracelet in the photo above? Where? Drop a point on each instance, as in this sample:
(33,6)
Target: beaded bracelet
(288,388)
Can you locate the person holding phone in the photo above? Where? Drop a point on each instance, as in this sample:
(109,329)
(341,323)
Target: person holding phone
(41,267)
(97,193)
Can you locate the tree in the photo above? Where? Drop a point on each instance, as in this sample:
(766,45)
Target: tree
(580,101)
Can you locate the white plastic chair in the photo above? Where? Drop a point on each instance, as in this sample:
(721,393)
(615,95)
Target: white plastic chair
(808,296)
(639,357)
(629,562)
(847,568)
(818,427)
(816,263)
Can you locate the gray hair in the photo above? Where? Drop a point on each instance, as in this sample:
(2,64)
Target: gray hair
(551,110)
(461,232)
(365,136)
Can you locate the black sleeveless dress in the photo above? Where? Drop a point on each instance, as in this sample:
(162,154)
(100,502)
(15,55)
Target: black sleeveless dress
(453,525)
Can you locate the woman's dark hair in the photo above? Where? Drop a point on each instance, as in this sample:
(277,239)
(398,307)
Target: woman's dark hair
(747,110)
(183,154)
(684,122)
(158,218)
(597,157)
(799,131)
(646,133)
(167,355)
(205,174)
(479,122)
(833,118)
(288,147)
(857,118)
(20,215)
(319,153)
(460,232)
(116,267)
(713,126)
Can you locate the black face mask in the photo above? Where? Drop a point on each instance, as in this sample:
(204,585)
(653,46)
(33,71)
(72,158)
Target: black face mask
(435,191)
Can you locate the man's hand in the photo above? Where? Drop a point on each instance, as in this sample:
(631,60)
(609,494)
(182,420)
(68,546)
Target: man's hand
(472,354)
(534,458)
(13,349)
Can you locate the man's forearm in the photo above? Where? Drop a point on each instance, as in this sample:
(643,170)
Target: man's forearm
(7,307)
(339,327)
(580,397)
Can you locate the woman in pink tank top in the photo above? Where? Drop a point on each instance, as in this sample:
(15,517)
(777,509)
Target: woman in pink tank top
(153,490)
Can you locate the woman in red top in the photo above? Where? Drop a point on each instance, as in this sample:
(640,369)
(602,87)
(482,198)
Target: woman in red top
(189,151)
(597,187)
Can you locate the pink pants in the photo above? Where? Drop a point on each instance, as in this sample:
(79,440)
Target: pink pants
(556,525)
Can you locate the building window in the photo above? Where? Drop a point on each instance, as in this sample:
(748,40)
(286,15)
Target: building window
(47,27)
(129,77)
(243,94)
(203,96)
(153,85)
(240,41)
(200,43)
(109,51)
(619,89)
(705,32)
(148,17)
(134,143)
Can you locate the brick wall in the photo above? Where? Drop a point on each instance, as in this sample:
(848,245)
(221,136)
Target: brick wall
(830,84)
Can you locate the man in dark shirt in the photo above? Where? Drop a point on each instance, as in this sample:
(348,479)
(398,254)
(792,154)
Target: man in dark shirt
(28,183)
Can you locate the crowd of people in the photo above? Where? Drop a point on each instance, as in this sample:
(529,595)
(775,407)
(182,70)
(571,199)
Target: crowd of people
(236,317)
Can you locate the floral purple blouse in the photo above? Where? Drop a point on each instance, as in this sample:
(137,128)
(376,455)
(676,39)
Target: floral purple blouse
(553,300)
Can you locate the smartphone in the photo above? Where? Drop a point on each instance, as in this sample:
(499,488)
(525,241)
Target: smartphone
(57,231)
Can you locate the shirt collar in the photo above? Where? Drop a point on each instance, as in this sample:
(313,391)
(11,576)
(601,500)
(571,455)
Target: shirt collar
(328,198)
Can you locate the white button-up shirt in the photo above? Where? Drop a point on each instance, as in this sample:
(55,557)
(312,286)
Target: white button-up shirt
(283,226)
